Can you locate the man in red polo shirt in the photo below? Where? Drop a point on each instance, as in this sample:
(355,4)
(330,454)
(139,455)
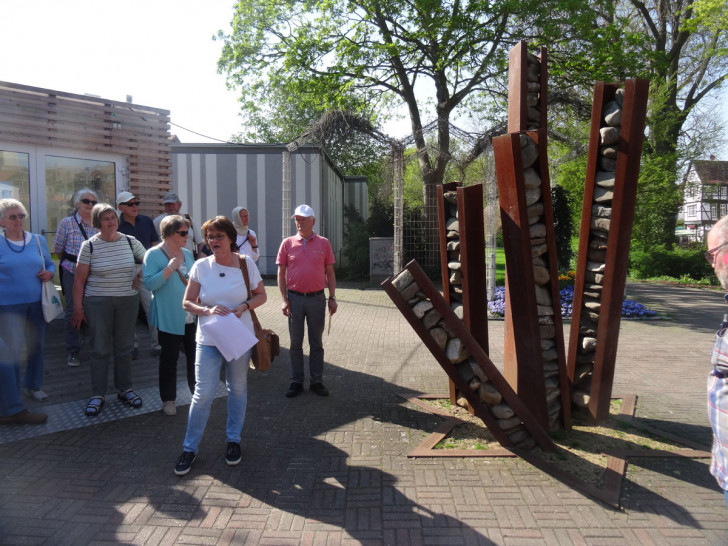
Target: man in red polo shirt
(305,266)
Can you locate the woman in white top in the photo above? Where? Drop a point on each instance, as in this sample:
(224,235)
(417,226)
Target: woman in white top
(246,239)
(217,287)
(105,296)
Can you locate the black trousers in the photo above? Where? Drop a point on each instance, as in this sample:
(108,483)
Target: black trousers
(170,344)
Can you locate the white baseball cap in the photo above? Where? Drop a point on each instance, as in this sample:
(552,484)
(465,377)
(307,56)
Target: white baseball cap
(124,197)
(303,210)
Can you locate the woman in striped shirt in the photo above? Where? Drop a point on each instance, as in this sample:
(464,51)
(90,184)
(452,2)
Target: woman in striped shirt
(105,296)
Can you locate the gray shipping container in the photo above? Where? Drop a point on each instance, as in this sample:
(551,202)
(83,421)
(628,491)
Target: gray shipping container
(213,179)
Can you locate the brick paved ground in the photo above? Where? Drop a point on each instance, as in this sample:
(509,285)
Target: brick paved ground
(334,470)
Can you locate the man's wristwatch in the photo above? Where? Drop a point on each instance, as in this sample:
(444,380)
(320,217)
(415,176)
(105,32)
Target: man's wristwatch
(332,298)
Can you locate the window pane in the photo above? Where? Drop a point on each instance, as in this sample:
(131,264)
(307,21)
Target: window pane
(65,176)
(15,179)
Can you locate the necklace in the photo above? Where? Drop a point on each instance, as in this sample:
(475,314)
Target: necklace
(217,267)
(7,242)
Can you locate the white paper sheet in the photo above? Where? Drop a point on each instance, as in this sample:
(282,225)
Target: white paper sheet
(230,336)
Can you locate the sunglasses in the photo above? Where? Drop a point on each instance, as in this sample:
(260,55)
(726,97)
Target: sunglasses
(215,237)
(183,233)
(88,201)
(709,255)
(131,204)
(20,216)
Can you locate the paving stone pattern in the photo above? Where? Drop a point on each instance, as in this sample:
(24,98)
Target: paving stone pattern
(334,470)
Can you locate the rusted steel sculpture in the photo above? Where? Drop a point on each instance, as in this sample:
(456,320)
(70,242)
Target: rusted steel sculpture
(534,356)
(464,360)
(462,259)
(535,393)
(615,146)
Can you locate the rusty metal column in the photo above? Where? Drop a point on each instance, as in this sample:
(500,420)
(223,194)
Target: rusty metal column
(610,188)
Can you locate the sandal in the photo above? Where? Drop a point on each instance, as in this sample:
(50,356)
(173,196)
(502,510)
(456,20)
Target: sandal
(94,406)
(130,398)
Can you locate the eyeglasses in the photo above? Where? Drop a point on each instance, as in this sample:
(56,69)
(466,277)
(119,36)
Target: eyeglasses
(710,254)
(88,201)
(20,216)
(183,233)
(215,237)
(131,204)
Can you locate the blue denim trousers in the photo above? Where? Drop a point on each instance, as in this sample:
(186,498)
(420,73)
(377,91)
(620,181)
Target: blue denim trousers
(73,343)
(21,323)
(309,312)
(208,362)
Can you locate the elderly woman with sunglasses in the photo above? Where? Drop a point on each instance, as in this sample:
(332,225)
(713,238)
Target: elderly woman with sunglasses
(70,233)
(25,264)
(166,271)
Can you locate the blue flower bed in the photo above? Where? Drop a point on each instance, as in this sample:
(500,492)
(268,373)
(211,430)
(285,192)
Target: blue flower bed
(630,308)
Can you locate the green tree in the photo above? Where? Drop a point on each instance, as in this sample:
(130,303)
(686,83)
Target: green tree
(681,47)
(381,52)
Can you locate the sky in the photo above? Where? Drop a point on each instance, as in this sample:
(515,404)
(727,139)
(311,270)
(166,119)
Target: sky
(160,52)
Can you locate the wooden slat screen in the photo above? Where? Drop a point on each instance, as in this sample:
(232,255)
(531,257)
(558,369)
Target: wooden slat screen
(44,117)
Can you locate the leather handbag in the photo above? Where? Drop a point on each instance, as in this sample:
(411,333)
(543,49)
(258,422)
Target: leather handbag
(51,300)
(268,346)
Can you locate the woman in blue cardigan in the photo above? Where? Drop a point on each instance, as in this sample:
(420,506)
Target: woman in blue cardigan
(25,264)
(165,270)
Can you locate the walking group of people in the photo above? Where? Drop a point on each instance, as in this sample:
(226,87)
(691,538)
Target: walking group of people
(186,279)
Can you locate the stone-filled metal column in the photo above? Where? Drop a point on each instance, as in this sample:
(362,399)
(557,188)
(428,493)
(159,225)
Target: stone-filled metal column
(466,363)
(462,260)
(610,188)
(534,354)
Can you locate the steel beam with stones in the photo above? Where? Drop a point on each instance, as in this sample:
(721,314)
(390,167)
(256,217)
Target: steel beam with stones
(464,360)
(462,259)
(610,188)
(534,352)
(527,78)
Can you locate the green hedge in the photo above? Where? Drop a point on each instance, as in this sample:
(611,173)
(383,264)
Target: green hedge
(677,263)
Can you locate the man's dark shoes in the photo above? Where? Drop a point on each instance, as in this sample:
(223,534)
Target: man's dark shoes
(184,465)
(294,390)
(319,389)
(24,417)
(232,455)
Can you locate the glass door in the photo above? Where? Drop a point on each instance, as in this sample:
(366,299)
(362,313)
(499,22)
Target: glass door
(64,176)
(15,178)
(45,180)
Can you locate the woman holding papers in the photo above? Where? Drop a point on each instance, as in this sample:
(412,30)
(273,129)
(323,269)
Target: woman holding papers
(166,272)
(217,293)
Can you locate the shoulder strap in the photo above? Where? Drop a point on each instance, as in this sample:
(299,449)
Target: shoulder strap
(244,269)
(83,231)
(40,249)
(184,281)
(131,247)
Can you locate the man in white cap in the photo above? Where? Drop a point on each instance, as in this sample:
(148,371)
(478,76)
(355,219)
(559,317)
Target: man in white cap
(172,205)
(142,228)
(305,266)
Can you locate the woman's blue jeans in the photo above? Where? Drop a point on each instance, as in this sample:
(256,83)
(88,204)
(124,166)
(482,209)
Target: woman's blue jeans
(21,323)
(208,362)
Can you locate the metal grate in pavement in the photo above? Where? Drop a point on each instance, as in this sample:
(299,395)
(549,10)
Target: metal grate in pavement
(70,415)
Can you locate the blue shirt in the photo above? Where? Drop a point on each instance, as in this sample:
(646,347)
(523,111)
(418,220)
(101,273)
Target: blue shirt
(165,309)
(142,230)
(19,265)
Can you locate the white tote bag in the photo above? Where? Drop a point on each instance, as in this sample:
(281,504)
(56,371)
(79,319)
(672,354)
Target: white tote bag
(52,306)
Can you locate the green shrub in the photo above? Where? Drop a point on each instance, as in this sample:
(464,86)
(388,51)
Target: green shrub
(677,263)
